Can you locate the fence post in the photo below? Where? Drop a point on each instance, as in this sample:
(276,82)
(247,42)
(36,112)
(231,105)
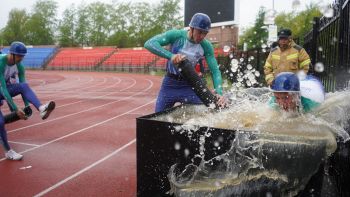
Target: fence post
(313,47)
(341,71)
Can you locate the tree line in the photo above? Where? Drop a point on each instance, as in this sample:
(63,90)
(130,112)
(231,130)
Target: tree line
(299,22)
(95,24)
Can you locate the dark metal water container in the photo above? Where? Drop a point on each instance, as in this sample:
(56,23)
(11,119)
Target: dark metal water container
(156,151)
(339,167)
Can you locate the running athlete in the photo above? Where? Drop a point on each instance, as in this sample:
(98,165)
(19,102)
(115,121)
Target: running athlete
(189,45)
(13,83)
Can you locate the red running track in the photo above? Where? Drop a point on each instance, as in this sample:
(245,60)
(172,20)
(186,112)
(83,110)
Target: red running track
(87,147)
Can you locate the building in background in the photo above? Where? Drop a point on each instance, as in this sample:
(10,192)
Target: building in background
(224,17)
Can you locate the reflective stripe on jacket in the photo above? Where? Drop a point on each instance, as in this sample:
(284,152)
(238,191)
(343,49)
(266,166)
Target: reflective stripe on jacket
(293,59)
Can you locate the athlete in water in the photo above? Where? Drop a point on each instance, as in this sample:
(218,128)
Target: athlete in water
(294,95)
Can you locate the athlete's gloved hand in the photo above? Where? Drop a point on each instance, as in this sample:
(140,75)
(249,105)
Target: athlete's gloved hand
(20,113)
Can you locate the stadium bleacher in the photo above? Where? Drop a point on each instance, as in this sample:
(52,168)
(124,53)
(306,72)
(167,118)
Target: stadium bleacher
(130,57)
(36,57)
(80,57)
(86,58)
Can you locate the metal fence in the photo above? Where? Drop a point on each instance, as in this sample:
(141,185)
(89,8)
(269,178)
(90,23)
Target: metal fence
(328,44)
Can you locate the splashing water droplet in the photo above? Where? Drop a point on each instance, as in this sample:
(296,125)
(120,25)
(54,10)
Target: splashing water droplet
(249,66)
(301,75)
(177,146)
(320,49)
(211,106)
(186,152)
(257,73)
(328,12)
(216,143)
(226,48)
(319,67)
(253,81)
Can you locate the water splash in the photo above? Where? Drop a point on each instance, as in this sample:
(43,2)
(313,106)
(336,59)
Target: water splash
(263,155)
(327,11)
(226,48)
(319,67)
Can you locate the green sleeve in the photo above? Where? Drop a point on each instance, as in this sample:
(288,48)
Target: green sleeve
(156,43)
(22,79)
(272,103)
(213,66)
(3,88)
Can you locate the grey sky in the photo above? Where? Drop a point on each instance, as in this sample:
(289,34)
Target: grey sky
(247,12)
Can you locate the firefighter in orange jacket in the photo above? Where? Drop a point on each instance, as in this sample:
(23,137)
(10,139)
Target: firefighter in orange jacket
(286,57)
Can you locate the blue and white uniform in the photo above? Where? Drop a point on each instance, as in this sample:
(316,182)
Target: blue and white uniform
(173,88)
(13,83)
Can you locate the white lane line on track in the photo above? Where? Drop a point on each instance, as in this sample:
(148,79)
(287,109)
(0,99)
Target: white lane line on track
(84,170)
(110,93)
(90,109)
(77,89)
(24,143)
(84,129)
(70,96)
(68,82)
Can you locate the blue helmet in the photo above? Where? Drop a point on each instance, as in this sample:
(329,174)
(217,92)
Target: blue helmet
(201,21)
(286,82)
(18,48)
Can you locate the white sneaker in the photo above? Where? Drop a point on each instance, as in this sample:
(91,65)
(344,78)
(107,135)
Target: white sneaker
(46,109)
(12,155)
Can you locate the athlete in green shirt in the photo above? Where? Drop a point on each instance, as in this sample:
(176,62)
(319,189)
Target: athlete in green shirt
(13,83)
(189,44)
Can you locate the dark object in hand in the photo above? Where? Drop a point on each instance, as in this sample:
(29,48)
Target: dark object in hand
(12,117)
(200,88)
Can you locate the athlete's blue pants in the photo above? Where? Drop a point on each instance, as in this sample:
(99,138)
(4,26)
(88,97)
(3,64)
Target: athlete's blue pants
(173,91)
(14,90)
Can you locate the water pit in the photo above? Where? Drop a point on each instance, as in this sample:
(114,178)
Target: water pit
(248,150)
